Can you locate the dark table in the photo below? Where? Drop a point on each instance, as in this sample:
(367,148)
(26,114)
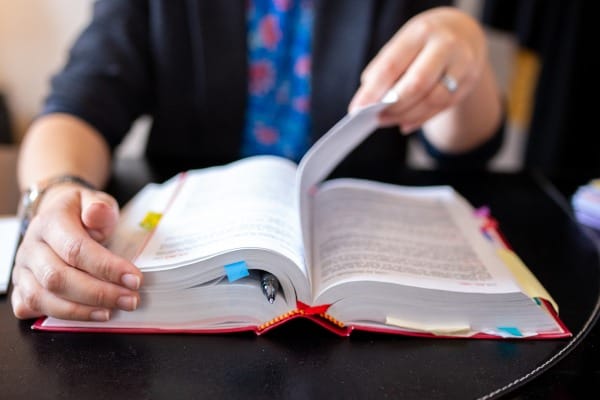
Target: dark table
(301,360)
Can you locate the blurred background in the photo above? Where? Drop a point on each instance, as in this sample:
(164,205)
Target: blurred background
(542,51)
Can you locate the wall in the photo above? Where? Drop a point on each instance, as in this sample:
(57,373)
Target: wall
(34,36)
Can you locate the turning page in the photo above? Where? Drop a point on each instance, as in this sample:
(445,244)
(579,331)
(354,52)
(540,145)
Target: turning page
(322,158)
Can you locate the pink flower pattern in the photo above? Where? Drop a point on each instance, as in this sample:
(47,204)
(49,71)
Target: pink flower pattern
(279,37)
(266,135)
(270,32)
(262,77)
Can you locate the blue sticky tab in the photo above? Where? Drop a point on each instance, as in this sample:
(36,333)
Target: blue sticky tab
(510,330)
(236,270)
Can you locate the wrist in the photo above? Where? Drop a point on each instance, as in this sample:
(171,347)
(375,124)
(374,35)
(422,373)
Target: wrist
(32,196)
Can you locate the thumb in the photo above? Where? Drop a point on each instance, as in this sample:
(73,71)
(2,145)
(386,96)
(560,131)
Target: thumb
(99,214)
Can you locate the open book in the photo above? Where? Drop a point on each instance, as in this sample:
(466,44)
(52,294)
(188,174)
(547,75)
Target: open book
(346,253)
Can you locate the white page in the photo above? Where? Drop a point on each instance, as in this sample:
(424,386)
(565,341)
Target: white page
(246,204)
(424,237)
(129,236)
(323,156)
(9,235)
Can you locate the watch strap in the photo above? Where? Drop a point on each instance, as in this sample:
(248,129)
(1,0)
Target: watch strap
(33,195)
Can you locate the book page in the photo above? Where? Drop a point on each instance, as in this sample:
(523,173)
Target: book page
(9,236)
(247,204)
(423,237)
(323,156)
(130,235)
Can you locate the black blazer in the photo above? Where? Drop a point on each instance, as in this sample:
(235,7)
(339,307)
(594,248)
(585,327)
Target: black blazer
(184,63)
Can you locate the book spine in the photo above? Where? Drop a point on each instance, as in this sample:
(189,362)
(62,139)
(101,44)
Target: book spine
(316,314)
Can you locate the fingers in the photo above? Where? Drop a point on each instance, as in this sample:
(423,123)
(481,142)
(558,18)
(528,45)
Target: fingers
(73,245)
(413,62)
(386,68)
(53,275)
(77,248)
(99,214)
(422,96)
(416,90)
(413,118)
(424,73)
(61,271)
(29,300)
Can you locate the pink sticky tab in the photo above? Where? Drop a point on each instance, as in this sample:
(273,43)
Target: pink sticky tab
(483,211)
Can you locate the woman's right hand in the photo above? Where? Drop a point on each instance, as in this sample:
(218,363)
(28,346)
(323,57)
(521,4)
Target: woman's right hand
(61,267)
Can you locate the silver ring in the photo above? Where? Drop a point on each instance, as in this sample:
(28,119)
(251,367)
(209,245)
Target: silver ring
(449,83)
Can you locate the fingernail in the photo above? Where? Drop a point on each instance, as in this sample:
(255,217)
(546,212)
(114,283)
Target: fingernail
(131,281)
(99,315)
(127,303)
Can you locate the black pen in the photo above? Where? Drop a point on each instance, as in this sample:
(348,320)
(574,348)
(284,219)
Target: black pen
(269,285)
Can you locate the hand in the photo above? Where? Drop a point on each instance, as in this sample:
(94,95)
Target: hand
(439,42)
(61,268)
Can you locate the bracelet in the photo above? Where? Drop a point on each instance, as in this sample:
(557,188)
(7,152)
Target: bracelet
(33,195)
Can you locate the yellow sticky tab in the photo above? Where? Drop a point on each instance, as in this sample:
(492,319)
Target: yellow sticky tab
(150,220)
(458,329)
(521,90)
(595,183)
(528,282)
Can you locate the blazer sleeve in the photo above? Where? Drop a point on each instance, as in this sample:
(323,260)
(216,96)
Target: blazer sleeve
(105,80)
(476,158)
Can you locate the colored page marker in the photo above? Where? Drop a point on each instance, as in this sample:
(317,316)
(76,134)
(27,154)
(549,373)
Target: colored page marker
(236,270)
(483,211)
(510,330)
(150,220)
